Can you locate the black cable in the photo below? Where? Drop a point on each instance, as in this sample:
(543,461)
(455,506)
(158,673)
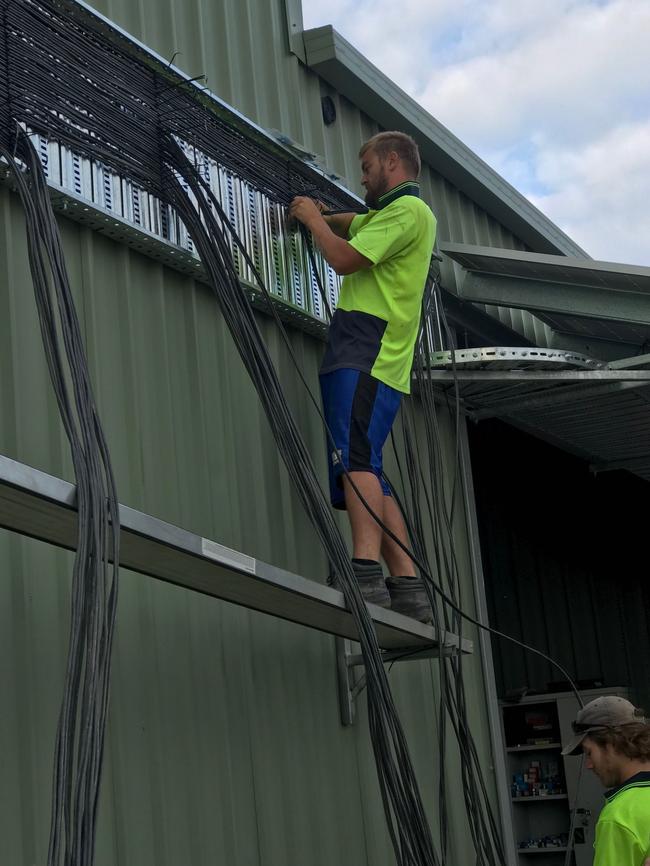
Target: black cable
(82,719)
(406,819)
(470,764)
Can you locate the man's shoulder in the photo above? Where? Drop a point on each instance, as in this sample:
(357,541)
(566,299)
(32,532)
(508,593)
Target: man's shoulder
(408,204)
(630,803)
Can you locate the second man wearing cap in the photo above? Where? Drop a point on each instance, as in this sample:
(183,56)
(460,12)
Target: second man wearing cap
(615,739)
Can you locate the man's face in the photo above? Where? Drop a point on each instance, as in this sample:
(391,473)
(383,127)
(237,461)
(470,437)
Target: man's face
(373,177)
(604,761)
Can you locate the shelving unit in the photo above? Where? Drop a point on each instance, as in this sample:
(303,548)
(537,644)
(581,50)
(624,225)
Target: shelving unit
(548,717)
(541,799)
(533,749)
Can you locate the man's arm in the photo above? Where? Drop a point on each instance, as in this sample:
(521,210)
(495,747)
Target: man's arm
(339,222)
(337,251)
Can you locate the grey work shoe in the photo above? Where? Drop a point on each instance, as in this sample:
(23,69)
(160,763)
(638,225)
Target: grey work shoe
(371,583)
(408,597)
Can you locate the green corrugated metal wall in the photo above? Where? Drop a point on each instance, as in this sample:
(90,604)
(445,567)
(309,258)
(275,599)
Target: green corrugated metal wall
(224,741)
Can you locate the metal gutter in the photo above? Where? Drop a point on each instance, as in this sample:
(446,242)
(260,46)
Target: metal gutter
(573,295)
(44,507)
(341,65)
(580,269)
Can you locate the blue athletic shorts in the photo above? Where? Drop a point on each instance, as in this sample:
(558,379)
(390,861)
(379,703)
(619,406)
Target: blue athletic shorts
(359,411)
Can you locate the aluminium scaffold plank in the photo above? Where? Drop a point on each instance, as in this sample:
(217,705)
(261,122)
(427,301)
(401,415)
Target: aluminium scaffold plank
(42,506)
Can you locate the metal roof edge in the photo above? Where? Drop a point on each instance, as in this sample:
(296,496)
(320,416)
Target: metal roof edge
(453,249)
(345,68)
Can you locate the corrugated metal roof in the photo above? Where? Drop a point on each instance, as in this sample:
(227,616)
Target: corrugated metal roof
(599,414)
(598,329)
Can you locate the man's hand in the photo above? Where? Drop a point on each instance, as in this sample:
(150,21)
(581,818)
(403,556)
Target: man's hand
(337,251)
(305,210)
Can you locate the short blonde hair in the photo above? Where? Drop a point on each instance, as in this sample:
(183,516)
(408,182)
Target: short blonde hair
(398,142)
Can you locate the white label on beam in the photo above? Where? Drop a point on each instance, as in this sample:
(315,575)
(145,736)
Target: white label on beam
(226,556)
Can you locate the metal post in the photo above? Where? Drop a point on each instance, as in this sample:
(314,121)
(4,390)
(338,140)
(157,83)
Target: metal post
(494,718)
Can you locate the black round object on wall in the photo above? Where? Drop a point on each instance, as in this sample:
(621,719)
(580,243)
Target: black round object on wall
(329,110)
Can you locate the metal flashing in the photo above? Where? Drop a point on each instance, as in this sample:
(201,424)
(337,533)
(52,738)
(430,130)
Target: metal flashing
(295,28)
(602,300)
(44,507)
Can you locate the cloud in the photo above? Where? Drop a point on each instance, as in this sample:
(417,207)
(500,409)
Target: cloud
(393,42)
(567,77)
(600,193)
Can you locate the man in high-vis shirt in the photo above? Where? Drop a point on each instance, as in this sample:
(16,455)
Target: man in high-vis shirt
(384,256)
(615,739)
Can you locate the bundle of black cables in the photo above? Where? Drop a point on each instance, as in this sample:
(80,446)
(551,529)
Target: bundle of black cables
(423,479)
(429,497)
(80,734)
(213,234)
(208,226)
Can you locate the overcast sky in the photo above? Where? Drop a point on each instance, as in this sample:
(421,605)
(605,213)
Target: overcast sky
(553,94)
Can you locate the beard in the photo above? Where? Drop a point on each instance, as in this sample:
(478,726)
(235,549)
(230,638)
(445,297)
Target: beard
(374,192)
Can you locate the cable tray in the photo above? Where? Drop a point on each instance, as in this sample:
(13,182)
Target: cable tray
(513,358)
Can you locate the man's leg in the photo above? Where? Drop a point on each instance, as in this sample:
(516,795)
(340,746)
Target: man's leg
(366,532)
(407,592)
(399,563)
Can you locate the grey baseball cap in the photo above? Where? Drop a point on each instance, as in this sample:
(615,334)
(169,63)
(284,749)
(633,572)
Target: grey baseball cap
(608,711)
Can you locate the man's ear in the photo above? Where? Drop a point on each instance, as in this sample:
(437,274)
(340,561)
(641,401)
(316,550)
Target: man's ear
(392,160)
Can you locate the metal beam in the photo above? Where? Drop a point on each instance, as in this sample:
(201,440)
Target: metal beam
(615,305)
(632,465)
(352,681)
(501,774)
(43,507)
(640,377)
(627,363)
(490,331)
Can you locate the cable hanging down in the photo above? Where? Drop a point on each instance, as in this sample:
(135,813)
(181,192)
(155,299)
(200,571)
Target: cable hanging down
(82,720)
(407,823)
